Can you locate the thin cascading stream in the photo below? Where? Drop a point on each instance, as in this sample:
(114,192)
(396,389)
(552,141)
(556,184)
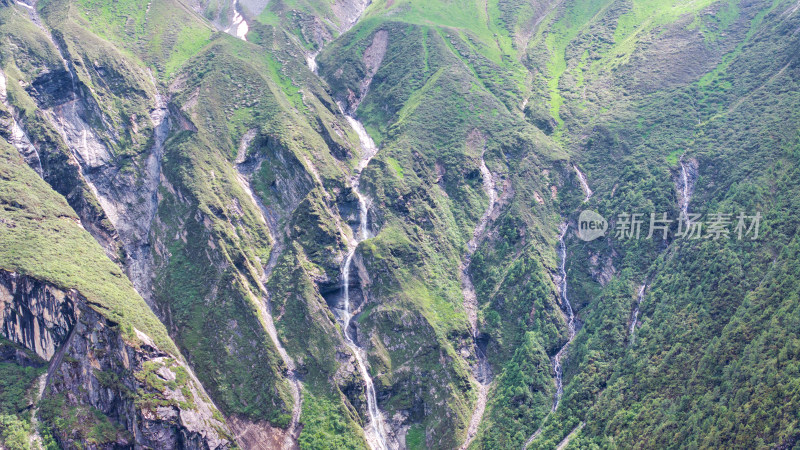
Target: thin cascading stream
(685,189)
(685,178)
(376,434)
(562,253)
(584,184)
(570,313)
(558,359)
(567,306)
(685,192)
(635,314)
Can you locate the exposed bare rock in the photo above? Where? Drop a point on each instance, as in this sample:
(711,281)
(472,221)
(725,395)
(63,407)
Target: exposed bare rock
(34,315)
(372,59)
(602,271)
(150,395)
(348,12)
(260,435)
(12,132)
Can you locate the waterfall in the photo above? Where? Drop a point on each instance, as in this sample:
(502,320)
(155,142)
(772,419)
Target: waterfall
(376,433)
(558,359)
(685,190)
(584,184)
(685,178)
(239,27)
(311,60)
(557,366)
(635,314)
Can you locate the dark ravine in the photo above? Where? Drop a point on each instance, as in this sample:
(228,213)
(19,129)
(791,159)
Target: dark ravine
(54,161)
(243,175)
(128,197)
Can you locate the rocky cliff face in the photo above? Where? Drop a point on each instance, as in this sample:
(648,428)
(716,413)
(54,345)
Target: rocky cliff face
(105,386)
(34,315)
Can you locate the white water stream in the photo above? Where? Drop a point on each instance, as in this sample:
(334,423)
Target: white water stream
(239,27)
(571,321)
(376,430)
(562,251)
(311,60)
(562,269)
(584,185)
(570,316)
(686,189)
(635,315)
(558,359)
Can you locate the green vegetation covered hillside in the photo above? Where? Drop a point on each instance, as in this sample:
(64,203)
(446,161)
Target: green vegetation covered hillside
(355,224)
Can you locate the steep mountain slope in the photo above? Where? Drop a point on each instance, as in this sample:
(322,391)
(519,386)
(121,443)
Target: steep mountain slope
(436,123)
(114,376)
(259,173)
(716,118)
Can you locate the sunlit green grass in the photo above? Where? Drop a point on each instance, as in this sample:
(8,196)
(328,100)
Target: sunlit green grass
(162,32)
(42,238)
